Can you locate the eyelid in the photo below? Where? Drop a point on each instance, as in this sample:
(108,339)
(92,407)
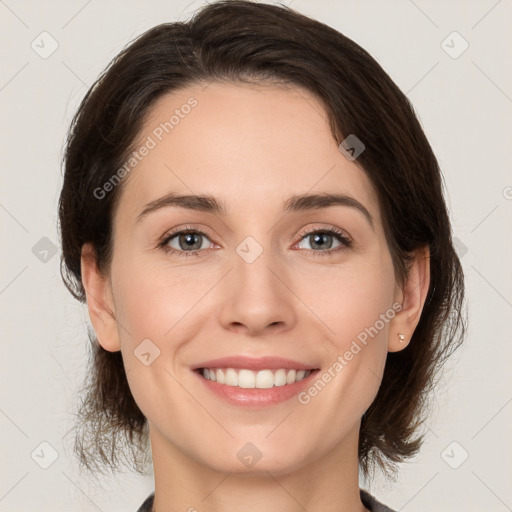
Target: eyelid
(186,228)
(327,229)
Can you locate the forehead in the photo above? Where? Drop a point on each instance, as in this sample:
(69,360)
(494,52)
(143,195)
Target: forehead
(252,146)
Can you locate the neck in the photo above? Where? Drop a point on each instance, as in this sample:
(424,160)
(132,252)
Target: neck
(328,483)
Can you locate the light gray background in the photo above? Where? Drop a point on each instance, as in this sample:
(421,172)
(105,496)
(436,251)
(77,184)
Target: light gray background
(465,107)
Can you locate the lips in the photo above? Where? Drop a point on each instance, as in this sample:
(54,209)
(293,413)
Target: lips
(254,382)
(254,364)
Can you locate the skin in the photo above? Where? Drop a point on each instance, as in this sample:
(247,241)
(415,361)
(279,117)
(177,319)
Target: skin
(250,146)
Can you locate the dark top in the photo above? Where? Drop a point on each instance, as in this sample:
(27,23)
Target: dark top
(368,501)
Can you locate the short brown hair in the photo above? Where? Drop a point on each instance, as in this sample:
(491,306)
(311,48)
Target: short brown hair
(233,41)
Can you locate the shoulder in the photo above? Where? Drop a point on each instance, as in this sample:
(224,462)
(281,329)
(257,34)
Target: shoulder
(371,503)
(368,501)
(148,504)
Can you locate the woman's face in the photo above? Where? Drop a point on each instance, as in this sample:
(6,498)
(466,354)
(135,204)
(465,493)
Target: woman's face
(264,285)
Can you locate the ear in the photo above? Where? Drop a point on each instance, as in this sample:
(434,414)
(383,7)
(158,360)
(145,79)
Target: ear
(100,301)
(412,296)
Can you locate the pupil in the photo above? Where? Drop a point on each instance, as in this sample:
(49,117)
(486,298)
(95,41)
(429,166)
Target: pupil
(319,236)
(189,241)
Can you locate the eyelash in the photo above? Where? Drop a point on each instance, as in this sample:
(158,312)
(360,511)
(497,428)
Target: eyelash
(346,242)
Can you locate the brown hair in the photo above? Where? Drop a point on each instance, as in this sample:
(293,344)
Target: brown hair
(243,41)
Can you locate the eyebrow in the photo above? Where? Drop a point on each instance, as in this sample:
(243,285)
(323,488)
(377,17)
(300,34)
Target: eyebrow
(295,203)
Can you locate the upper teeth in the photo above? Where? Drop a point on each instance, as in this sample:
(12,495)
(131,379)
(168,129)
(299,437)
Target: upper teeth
(261,379)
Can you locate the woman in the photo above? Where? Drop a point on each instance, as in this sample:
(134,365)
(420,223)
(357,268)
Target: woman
(256,221)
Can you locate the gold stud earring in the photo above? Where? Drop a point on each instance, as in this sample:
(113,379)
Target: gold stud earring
(402,338)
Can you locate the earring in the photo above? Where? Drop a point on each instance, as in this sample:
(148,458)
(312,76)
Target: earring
(402,338)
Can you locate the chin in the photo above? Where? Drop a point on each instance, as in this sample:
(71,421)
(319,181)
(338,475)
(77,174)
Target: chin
(248,460)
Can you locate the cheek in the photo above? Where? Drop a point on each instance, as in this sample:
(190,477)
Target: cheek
(151,299)
(152,304)
(352,299)
(355,305)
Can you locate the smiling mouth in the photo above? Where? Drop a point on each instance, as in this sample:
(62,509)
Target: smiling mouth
(249,379)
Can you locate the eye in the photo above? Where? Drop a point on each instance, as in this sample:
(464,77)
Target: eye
(188,242)
(185,242)
(321,241)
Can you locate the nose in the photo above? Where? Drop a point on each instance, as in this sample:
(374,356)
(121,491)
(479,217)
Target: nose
(257,296)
